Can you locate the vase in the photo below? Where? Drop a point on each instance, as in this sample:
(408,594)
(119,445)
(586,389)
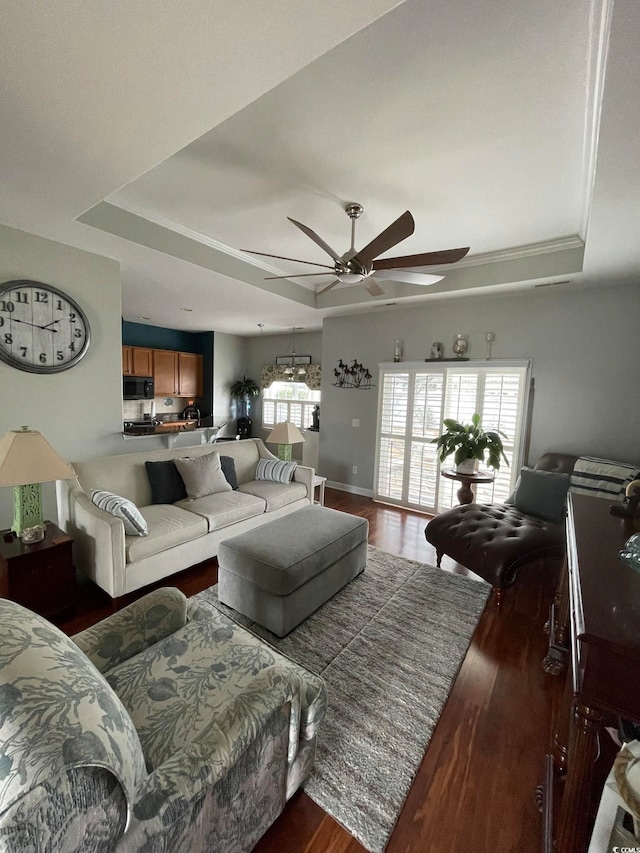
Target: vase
(467,466)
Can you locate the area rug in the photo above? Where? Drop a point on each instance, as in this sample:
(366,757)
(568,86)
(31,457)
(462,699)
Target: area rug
(389,646)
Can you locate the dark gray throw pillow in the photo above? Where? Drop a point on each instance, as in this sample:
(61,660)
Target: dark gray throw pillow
(228,464)
(167,486)
(542,493)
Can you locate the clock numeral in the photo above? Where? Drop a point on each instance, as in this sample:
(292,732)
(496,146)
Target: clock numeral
(1,322)
(23,351)
(59,305)
(72,317)
(8,339)
(60,355)
(7,306)
(22,297)
(72,346)
(77,333)
(43,358)
(42,297)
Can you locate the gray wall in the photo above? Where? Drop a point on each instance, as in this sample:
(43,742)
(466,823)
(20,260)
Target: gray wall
(78,411)
(229,364)
(582,343)
(263,350)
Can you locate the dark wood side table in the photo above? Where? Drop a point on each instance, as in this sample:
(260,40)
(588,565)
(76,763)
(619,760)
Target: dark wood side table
(467,481)
(39,576)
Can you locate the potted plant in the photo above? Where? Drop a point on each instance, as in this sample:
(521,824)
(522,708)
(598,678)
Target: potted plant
(243,389)
(470,444)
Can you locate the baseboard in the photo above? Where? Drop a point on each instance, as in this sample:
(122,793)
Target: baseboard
(346,487)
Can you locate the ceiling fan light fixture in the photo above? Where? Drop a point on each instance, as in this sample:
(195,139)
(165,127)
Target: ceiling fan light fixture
(350,277)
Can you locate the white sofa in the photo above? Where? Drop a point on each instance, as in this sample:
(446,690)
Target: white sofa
(180,535)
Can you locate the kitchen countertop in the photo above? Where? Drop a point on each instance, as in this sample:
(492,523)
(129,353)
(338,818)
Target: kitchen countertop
(170,429)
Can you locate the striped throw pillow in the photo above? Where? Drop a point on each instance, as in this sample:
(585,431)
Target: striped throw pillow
(602,477)
(275,470)
(134,523)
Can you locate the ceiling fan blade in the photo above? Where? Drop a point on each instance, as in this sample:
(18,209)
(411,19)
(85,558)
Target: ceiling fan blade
(282,258)
(427,259)
(325,289)
(316,239)
(409,277)
(399,230)
(294,275)
(372,287)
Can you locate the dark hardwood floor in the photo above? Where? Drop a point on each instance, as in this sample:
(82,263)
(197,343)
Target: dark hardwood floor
(474,790)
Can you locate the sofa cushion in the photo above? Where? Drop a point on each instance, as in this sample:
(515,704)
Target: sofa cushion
(167,527)
(541,493)
(175,689)
(167,486)
(202,475)
(275,495)
(276,470)
(229,470)
(224,508)
(128,512)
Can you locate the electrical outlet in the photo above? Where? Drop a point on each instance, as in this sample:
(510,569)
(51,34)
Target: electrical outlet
(355,422)
(354,470)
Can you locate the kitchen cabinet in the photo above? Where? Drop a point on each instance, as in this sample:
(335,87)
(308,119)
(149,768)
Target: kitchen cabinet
(189,375)
(165,372)
(137,361)
(175,374)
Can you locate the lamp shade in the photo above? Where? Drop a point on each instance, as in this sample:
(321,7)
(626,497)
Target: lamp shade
(27,457)
(285,433)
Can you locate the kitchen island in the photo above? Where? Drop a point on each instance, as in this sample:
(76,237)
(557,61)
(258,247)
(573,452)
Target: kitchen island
(204,429)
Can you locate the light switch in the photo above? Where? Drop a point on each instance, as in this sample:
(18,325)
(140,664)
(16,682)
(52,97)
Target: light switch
(355,422)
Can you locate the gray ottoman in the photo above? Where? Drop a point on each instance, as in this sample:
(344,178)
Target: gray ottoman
(279,573)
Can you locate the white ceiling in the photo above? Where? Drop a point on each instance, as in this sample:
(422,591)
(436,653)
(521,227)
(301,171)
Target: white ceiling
(171,136)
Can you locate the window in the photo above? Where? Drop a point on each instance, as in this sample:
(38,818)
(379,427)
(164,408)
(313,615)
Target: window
(415,399)
(288,401)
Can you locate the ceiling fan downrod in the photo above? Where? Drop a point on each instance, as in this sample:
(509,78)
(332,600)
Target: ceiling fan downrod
(351,275)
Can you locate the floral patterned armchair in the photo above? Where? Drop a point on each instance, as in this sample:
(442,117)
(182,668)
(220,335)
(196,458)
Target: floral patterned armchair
(165,727)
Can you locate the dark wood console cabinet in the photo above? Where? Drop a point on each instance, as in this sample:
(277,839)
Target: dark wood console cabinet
(39,576)
(598,612)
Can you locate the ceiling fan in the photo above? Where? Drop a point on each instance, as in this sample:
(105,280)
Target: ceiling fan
(364,266)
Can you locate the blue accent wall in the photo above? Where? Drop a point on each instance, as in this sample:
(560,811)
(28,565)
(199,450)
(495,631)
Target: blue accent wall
(155,337)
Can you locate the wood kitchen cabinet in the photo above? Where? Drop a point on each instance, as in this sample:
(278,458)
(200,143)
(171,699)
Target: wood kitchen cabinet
(175,374)
(137,361)
(165,372)
(189,375)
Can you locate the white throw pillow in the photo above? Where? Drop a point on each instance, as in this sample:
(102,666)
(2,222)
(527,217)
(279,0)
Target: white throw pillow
(203,475)
(134,523)
(275,470)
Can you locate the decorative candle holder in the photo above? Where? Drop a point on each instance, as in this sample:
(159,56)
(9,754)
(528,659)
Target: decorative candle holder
(460,345)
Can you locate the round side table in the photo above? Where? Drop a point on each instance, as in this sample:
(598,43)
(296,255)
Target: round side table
(467,481)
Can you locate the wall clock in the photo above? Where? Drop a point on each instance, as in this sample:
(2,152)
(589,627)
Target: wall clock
(42,330)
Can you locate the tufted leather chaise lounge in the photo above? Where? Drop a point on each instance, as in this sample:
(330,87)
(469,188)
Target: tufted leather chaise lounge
(495,540)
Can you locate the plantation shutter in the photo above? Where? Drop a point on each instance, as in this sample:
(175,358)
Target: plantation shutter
(413,403)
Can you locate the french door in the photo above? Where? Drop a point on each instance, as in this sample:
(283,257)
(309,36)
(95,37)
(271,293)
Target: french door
(414,400)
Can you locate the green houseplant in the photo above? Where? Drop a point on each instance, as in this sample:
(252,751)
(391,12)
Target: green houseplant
(243,390)
(470,444)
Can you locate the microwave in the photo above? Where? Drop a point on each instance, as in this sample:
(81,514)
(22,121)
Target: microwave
(137,388)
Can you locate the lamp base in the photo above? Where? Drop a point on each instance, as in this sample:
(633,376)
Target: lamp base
(27,508)
(284,452)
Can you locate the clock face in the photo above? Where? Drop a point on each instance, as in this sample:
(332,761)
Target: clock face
(42,330)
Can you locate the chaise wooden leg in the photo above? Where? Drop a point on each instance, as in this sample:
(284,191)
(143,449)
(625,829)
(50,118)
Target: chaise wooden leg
(498,595)
(439,555)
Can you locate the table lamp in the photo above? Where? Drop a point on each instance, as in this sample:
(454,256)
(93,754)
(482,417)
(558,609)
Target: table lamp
(27,460)
(284,435)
